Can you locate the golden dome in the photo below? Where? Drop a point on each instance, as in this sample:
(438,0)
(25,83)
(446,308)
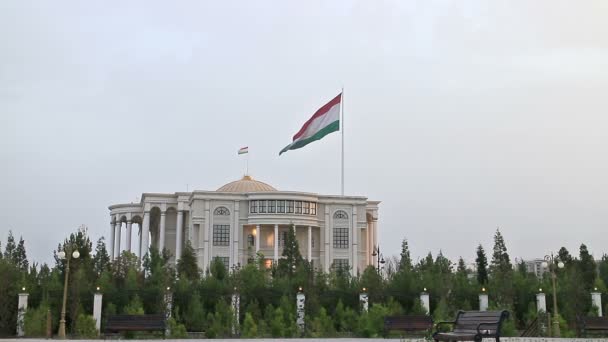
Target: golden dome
(246,184)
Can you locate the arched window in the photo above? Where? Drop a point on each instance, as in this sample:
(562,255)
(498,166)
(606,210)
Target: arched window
(340,214)
(341,228)
(221,211)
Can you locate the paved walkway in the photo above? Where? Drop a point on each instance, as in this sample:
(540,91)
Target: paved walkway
(505,339)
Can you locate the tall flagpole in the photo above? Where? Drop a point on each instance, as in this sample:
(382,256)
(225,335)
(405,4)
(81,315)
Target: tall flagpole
(342,129)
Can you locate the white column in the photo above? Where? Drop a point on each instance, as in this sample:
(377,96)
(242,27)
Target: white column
(355,243)
(368,252)
(118,233)
(309,243)
(139,240)
(276,243)
(168,308)
(112,241)
(206,233)
(483,301)
(129,231)
(541,302)
(145,234)
(364,300)
(425,300)
(258,233)
(300,300)
(236,308)
(235,235)
(327,240)
(178,235)
(97,298)
(596,300)
(21,309)
(161,244)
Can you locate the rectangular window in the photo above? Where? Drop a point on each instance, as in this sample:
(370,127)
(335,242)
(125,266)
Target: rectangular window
(312,242)
(253,207)
(262,207)
(225,261)
(271,207)
(298,207)
(221,234)
(313,208)
(340,237)
(250,240)
(340,264)
(281,207)
(290,207)
(306,208)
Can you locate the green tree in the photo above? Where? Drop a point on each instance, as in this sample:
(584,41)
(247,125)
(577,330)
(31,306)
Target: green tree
(501,271)
(500,258)
(11,246)
(101,259)
(322,325)
(8,296)
(482,266)
(565,256)
(292,258)
(250,329)
(405,262)
(187,265)
(20,257)
(587,267)
(218,269)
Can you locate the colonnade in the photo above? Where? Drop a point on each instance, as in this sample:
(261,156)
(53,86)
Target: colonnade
(144,234)
(276,254)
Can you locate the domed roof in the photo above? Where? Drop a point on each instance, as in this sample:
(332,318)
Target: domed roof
(246,184)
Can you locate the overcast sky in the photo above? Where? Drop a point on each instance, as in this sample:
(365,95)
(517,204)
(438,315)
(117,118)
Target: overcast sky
(461,116)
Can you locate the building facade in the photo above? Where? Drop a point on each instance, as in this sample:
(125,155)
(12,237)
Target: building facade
(245,217)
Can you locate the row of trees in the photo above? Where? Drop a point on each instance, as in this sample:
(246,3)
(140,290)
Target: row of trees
(202,299)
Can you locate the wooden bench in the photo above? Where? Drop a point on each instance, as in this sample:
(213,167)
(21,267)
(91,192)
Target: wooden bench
(592,324)
(473,326)
(118,323)
(408,324)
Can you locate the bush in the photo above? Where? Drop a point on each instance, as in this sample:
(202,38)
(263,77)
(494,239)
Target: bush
(371,323)
(176,330)
(250,329)
(85,326)
(34,323)
(135,307)
(322,325)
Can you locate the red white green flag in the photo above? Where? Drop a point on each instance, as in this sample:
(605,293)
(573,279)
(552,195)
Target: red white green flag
(326,120)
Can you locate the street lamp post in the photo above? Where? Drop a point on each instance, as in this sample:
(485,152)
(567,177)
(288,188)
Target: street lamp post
(376,252)
(65,256)
(550,263)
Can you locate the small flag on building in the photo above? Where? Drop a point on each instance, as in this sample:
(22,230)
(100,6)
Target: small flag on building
(244,150)
(326,120)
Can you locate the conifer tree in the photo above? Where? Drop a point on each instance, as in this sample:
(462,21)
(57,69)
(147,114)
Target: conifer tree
(565,256)
(405,263)
(20,257)
(462,267)
(292,257)
(482,266)
(9,249)
(587,267)
(186,265)
(101,259)
(500,257)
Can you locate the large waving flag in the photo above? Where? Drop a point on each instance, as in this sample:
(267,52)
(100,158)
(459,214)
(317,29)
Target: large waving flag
(326,120)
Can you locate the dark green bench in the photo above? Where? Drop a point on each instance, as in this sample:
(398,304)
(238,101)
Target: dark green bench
(473,326)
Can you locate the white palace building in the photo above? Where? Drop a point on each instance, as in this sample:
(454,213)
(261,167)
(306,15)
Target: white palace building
(247,216)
